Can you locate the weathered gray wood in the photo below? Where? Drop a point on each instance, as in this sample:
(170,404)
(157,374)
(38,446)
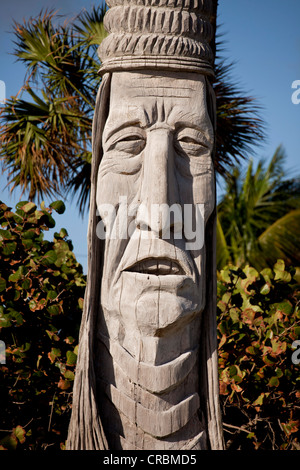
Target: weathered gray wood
(147,374)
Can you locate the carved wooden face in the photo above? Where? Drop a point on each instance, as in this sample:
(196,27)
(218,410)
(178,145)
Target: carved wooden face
(155,176)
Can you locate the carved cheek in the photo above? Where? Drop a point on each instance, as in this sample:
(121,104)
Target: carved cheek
(203,189)
(118,177)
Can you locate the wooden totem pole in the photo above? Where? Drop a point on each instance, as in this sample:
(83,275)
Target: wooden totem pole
(147,376)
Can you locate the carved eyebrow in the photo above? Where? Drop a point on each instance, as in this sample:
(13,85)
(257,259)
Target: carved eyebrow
(200,122)
(206,141)
(123,125)
(147,118)
(196,125)
(142,120)
(179,125)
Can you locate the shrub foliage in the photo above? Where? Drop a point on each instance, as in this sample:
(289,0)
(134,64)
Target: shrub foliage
(41,296)
(258,324)
(41,291)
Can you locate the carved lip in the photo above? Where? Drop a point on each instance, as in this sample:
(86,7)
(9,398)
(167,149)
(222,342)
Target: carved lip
(157,267)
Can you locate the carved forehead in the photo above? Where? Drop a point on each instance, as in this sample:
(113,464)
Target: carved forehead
(147,84)
(133,94)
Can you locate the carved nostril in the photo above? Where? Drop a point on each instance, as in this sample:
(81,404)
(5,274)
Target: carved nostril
(164,221)
(142,226)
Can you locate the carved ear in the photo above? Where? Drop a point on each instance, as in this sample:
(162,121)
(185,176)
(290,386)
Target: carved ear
(85,429)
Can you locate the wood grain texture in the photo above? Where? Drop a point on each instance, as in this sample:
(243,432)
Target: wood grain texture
(147,374)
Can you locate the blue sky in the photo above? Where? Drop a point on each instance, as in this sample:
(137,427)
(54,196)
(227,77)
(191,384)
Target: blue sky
(262,37)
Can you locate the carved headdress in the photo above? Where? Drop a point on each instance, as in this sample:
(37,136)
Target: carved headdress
(171,35)
(159,34)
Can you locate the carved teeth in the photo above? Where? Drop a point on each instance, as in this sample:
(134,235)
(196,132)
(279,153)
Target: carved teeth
(157,267)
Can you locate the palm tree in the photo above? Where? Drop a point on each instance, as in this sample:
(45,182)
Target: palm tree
(46,139)
(259,216)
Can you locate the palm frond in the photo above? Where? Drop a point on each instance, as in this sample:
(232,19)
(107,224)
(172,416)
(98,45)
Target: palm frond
(90,26)
(254,208)
(40,143)
(62,67)
(223,255)
(239,125)
(280,241)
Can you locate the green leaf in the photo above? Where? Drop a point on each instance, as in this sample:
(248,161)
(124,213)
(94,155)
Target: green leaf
(16,315)
(265,289)
(5,320)
(9,248)
(259,400)
(29,208)
(29,234)
(278,347)
(49,221)
(26,284)
(69,340)
(54,309)
(51,294)
(54,354)
(16,276)
(251,350)
(234,314)
(71,358)
(49,258)
(9,442)
(32,305)
(69,375)
(5,234)
(58,206)
(2,284)
(273,382)
(63,233)
(20,432)
(20,204)
(283,276)
(285,307)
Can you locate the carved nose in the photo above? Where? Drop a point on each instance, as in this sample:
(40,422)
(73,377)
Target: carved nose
(158,186)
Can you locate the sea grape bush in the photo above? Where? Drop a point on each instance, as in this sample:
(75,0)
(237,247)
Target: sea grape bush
(41,295)
(258,322)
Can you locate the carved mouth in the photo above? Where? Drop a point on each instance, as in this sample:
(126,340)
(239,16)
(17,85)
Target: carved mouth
(157,267)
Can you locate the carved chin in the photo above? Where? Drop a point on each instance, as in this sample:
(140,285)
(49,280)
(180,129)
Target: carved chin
(158,311)
(154,305)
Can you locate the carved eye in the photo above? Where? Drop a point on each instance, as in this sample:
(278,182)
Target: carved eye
(130,142)
(190,145)
(188,140)
(131,138)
